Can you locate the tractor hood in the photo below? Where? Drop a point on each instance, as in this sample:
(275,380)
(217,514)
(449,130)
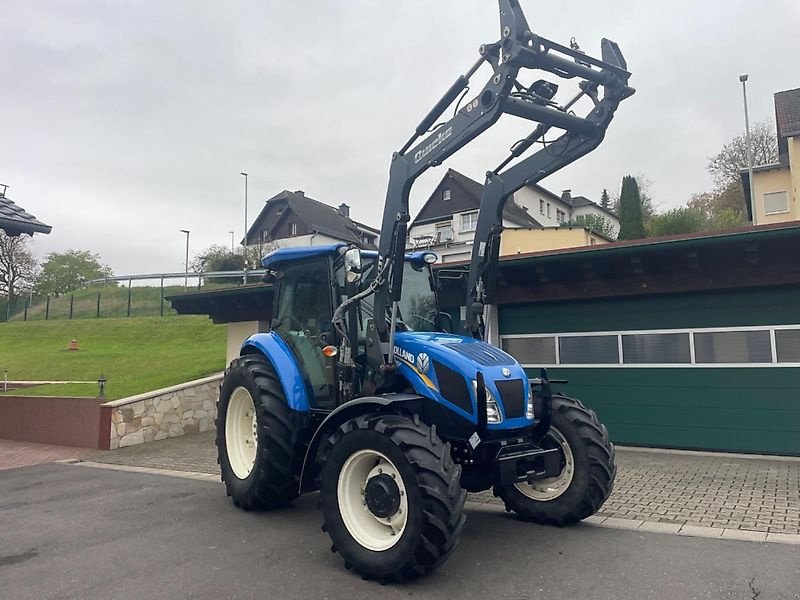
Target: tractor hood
(444,366)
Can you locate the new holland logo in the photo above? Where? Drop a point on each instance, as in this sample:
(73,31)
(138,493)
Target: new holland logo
(423,362)
(404,354)
(506,372)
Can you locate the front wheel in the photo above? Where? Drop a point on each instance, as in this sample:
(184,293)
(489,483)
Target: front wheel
(390,496)
(587,470)
(257,439)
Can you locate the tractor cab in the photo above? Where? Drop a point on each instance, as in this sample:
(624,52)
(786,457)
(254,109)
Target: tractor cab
(310,283)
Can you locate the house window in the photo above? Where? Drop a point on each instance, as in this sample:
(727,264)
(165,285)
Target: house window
(776,202)
(446,194)
(541,207)
(560,216)
(532,350)
(469,221)
(293,229)
(733,347)
(444,232)
(548,210)
(787,345)
(656,348)
(702,348)
(589,349)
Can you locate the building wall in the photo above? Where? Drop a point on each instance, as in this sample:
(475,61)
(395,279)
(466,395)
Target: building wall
(777,180)
(79,422)
(593,210)
(733,407)
(459,248)
(530,198)
(312,239)
(520,241)
(238,333)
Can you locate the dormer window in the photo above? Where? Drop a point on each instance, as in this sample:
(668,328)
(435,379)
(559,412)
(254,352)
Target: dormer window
(446,194)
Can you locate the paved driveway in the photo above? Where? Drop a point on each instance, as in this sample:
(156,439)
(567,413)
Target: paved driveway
(693,489)
(70,531)
(19,454)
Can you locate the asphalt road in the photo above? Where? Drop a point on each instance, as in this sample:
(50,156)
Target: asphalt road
(78,532)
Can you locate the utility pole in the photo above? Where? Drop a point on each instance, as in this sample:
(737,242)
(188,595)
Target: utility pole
(231,241)
(743,79)
(244,250)
(186,264)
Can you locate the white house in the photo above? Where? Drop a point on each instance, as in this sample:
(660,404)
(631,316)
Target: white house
(446,223)
(294,219)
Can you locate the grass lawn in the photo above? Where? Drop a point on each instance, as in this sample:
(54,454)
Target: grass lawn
(136,355)
(145,302)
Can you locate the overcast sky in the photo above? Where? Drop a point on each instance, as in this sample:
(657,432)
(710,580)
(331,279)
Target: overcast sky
(123,122)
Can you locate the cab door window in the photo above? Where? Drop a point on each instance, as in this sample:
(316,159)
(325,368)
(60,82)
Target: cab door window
(303,312)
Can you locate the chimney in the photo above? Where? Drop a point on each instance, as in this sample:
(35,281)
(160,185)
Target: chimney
(344,210)
(566,197)
(3,191)
(300,193)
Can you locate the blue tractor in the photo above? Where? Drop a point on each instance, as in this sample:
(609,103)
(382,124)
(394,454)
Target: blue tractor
(362,391)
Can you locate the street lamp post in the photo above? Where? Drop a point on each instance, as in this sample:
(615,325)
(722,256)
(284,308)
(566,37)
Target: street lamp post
(743,79)
(186,264)
(244,250)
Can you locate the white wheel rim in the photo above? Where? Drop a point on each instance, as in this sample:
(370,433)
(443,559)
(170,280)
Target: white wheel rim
(241,433)
(551,488)
(369,530)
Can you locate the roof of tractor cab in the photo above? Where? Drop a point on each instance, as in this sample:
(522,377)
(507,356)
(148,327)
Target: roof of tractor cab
(282,256)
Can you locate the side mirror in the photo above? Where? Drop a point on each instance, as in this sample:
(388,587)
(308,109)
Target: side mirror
(352,265)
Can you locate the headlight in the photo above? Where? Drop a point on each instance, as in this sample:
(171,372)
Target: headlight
(529,405)
(430,258)
(493,414)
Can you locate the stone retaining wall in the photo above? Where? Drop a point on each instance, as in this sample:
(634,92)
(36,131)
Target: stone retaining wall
(170,412)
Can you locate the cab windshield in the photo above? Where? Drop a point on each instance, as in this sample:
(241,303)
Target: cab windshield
(417,307)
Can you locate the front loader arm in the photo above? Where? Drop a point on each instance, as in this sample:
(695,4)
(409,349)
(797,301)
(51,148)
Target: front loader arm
(517,49)
(500,185)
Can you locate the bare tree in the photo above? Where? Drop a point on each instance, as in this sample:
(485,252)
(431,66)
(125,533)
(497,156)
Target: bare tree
(725,167)
(18,267)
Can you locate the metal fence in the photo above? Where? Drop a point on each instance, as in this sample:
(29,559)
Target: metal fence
(119,297)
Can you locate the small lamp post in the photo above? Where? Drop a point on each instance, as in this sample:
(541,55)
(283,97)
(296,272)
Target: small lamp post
(186,264)
(743,79)
(102,385)
(244,249)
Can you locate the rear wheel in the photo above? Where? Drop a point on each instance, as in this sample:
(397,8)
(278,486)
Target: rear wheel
(587,470)
(390,496)
(256,438)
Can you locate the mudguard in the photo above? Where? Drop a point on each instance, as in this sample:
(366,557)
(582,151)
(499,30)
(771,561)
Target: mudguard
(278,352)
(344,413)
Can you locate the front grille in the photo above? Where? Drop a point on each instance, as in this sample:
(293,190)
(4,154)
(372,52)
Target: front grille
(453,386)
(512,393)
(483,353)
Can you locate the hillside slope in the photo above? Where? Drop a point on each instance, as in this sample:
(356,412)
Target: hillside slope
(135,355)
